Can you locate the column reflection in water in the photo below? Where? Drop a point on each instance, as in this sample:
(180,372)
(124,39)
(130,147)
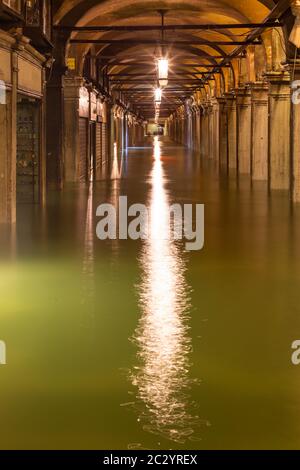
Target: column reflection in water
(88,268)
(116,168)
(162,376)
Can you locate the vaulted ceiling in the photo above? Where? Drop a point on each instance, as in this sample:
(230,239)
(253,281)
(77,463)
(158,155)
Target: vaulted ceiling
(130,54)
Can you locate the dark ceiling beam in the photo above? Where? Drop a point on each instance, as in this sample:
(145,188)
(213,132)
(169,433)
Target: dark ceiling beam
(170,103)
(209,66)
(145,90)
(122,60)
(154,42)
(153,75)
(150,108)
(143,80)
(186,27)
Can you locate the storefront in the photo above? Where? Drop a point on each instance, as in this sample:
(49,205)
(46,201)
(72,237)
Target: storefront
(85,132)
(28,149)
(22,162)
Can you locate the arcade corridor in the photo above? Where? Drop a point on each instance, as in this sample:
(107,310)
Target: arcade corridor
(143,344)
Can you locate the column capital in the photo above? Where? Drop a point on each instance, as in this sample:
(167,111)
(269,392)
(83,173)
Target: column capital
(230,101)
(259,87)
(243,97)
(242,91)
(73,81)
(230,95)
(278,78)
(260,93)
(207,106)
(280,85)
(293,66)
(72,86)
(214,102)
(220,99)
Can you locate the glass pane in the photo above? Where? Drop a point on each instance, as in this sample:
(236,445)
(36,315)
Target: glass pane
(13,4)
(33,13)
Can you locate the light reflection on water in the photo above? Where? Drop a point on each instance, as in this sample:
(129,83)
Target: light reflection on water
(162,337)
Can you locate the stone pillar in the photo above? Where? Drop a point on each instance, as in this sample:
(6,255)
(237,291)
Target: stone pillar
(71,144)
(279,127)
(223,133)
(259,131)
(188,128)
(204,132)
(216,130)
(8,142)
(232,131)
(182,129)
(43,159)
(198,130)
(194,137)
(7,207)
(55,114)
(210,131)
(244,130)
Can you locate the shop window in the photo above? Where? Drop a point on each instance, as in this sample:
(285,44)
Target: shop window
(38,14)
(15,5)
(28,149)
(33,17)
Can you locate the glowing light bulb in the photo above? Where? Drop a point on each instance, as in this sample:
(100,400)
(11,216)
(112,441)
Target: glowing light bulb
(163,72)
(158,95)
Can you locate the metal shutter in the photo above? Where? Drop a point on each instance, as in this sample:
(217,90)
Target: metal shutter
(83,143)
(98,150)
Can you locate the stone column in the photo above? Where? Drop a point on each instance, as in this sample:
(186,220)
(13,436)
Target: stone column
(182,129)
(210,131)
(216,130)
(259,131)
(295,132)
(194,140)
(54,114)
(279,128)
(8,142)
(223,133)
(71,144)
(198,130)
(188,128)
(204,132)
(232,131)
(244,130)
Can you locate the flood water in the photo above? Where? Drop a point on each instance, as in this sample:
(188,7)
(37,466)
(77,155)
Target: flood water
(141,344)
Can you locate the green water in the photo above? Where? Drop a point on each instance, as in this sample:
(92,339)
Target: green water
(130,344)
